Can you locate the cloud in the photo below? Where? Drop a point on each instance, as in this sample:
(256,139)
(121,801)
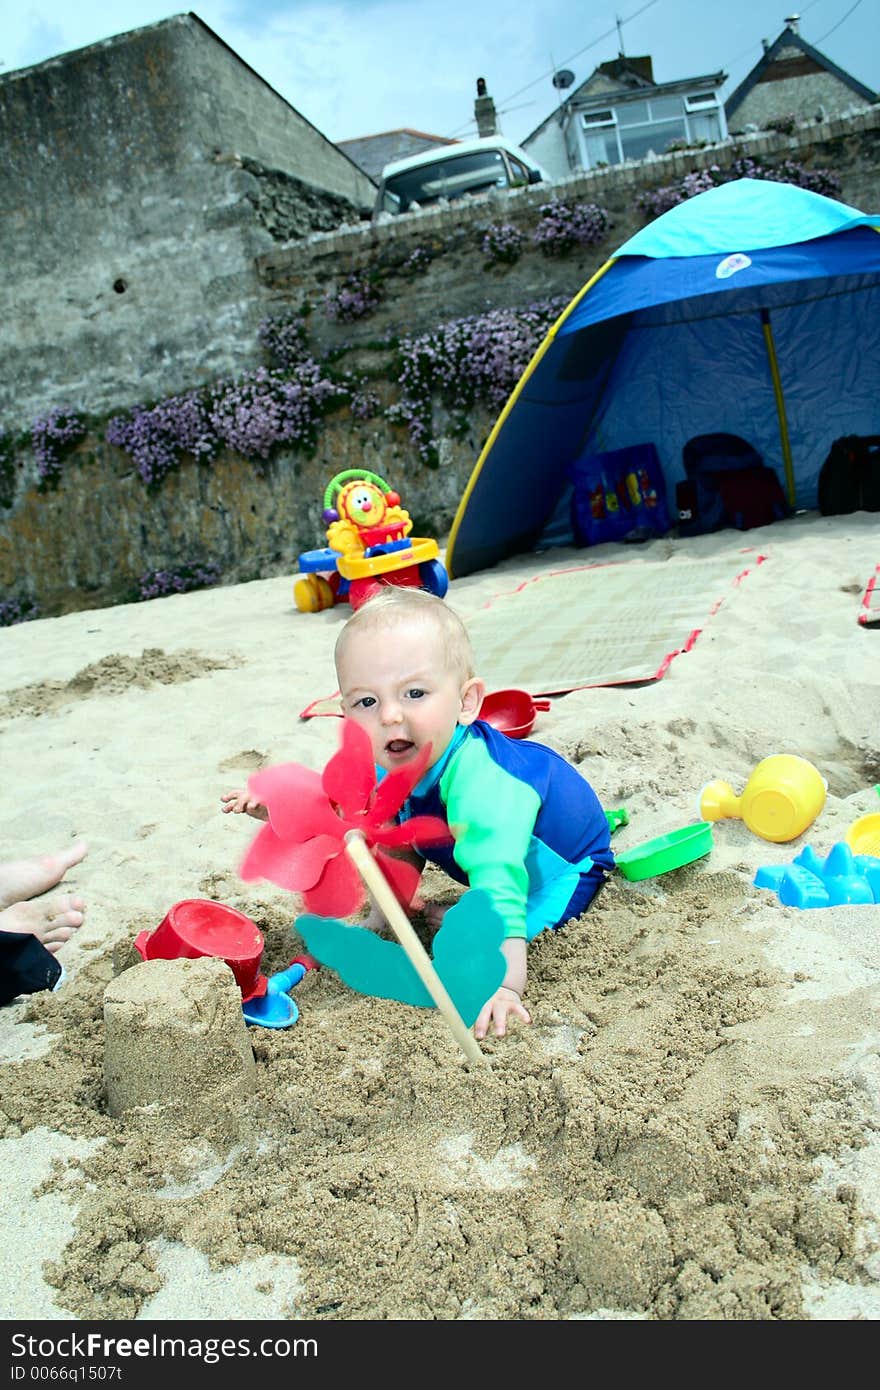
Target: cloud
(357,69)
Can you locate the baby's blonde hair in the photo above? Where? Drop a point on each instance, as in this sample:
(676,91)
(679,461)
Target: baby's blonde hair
(395,605)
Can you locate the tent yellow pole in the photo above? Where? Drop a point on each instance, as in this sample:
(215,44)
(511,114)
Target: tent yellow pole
(511,402)
(784,440)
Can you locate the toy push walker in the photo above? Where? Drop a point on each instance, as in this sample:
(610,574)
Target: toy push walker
(368,545)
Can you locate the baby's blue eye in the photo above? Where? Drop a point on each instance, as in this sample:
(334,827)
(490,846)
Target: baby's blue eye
(416,693)
(365,702)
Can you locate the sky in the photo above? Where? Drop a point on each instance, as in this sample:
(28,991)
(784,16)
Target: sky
(359,67)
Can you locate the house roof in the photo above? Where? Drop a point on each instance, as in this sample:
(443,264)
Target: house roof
(790,39)
(372,152)
(634,77)
(629,71)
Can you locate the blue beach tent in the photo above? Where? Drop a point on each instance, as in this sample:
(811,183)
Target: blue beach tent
(752,309)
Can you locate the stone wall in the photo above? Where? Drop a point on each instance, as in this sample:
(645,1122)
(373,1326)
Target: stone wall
(802,97)
(458,280)
(88,542)
(142,176)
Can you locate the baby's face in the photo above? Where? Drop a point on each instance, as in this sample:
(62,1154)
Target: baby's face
(396,685)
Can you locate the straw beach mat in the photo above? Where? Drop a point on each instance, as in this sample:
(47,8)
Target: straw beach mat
(614,624)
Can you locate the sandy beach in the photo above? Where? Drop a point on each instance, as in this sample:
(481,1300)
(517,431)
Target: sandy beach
(689,1128)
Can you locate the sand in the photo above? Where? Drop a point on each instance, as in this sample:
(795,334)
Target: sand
(688,1130)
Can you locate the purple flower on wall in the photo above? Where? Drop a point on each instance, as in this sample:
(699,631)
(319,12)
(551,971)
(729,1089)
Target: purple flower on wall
(259,411)
(154,437)
(355,298)
(563,226)
(656,201)
(17,610)
(157,583)
(252,415)
(816,180)
(502,243)
(417,261)
(467,360)
(52,436)
(283,338)
(364,404)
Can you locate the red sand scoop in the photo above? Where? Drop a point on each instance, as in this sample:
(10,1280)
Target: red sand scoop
(511,711)
(199,927)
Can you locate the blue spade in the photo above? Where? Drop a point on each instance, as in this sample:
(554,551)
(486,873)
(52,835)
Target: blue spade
(275,1009)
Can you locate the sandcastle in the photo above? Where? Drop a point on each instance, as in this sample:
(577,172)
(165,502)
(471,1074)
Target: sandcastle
(177,1051)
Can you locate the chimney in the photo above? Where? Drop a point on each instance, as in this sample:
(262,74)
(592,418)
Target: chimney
(792,21)
(765,44)
(484,111)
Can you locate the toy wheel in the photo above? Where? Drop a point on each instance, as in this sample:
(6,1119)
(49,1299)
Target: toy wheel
(312,594)
(434,578)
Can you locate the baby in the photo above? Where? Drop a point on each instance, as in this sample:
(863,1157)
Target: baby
(525,825)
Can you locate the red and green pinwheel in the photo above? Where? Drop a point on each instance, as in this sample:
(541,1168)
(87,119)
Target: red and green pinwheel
(302,848)
(328,837)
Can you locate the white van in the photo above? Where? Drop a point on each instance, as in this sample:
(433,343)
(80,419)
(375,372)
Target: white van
(454,171)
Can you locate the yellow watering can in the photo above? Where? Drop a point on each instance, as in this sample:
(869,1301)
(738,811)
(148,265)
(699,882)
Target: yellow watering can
(783,796)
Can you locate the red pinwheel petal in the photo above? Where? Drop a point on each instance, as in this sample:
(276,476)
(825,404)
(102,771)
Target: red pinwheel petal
(296,801)
(292,866)
(402,876)
(421,830)
(393,790)
(350,776)
(308,861)
(339,890)
(266,858)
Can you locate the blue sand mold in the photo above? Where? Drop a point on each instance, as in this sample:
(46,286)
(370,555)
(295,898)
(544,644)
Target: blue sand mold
(810,881)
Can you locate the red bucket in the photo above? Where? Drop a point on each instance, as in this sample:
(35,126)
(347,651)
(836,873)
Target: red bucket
(199,927)
(511,711)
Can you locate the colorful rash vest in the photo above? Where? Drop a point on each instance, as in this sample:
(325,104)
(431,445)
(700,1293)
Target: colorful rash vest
(527,825)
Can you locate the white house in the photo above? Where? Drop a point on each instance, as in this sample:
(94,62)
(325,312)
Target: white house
(620,113)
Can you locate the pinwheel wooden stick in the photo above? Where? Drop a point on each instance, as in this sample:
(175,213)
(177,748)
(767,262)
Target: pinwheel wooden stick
(376,883)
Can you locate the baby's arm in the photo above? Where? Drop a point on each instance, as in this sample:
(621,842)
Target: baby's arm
(495,814)
(242,802)
(507,998)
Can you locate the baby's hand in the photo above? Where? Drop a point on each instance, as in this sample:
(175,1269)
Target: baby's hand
(504,1002)
(242,802)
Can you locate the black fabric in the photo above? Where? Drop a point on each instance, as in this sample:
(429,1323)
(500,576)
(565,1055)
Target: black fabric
(25,965)
(752,497)
(850,476)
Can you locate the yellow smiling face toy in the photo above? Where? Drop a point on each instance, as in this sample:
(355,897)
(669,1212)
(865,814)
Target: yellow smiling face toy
(362,510)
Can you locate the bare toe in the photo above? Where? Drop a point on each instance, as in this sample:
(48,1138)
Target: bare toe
(22,879)
(45,918)
(68,908)
(56,938)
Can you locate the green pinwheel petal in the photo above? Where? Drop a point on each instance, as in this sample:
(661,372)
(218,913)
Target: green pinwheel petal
(467,956)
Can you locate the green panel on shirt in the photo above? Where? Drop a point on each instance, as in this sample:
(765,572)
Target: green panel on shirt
(492,816)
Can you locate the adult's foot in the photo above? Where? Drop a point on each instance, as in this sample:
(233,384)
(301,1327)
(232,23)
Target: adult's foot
(21,879)
(52,921)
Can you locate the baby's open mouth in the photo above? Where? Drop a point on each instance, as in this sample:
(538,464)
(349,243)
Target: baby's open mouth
(397,747)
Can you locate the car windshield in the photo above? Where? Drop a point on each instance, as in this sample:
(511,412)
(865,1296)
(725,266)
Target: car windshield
(447,178)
